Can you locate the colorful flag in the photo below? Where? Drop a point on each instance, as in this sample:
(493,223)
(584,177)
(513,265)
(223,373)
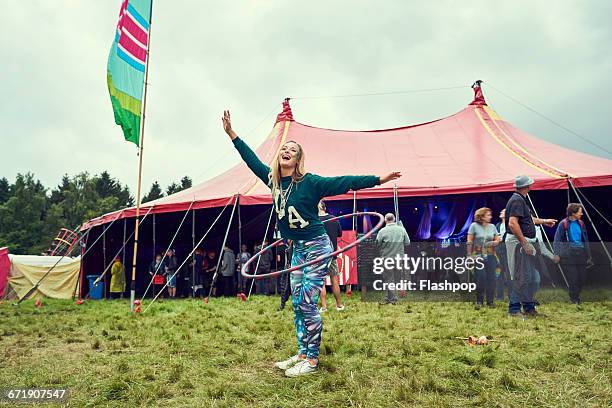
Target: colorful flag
(126,66)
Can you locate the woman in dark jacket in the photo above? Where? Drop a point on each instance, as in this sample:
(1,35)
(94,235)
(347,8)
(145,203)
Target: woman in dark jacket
(572,245)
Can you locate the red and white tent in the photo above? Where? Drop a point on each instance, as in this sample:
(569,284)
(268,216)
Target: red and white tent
(472,151)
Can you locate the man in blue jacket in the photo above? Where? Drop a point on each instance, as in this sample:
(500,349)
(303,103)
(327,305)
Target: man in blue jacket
(572,245)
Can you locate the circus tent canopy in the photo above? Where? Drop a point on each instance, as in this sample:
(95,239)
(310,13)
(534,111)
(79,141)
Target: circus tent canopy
(474,150)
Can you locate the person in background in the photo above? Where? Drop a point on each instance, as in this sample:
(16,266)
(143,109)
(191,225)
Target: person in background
(482,238)
(210,266)
(157,271)
(391,241)
(334,231)
(572,244)
(171,273)
(117,283)
(242,283)
(197,272)
(521,247)
(228,268)
(265,266)
(502,259)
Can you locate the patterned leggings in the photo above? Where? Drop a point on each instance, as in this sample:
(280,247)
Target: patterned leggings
(306,286)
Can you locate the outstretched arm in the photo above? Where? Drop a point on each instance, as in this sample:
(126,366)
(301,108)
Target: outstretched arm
(248,155)
(331,186)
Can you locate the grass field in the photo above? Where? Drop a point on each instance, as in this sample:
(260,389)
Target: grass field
(187,353)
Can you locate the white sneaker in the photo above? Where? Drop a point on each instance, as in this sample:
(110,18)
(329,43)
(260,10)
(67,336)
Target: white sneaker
(340,308)
(301,368)
(323,310)
(291,361)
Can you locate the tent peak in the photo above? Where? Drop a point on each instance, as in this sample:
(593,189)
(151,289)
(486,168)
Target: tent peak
(479,99)
(286,114)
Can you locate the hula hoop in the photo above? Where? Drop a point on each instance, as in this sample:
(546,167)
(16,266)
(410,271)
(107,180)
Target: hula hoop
(246,265)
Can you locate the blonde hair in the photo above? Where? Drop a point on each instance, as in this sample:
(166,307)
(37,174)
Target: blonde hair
(275,170)
(481,213)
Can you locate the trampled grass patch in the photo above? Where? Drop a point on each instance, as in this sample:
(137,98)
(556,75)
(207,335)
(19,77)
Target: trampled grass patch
(187,353)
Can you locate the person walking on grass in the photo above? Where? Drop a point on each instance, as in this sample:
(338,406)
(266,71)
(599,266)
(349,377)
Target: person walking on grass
(295,195)
(264,266)
(117,283)
(334,231)
(521,248)
(228,266)
(171,265)
(157,271)
(572,244)
(391,241)
(210,266)
(502,260)
(241,282)
(482,238)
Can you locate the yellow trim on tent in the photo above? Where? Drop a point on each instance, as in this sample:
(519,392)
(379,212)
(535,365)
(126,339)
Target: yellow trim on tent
(490,131)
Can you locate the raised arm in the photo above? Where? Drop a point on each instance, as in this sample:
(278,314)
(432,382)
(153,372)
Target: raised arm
(331,186)
(248,155)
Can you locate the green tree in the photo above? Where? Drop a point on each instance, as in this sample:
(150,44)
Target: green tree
(22,217)
(107,186)
(173,188)
(154,193)
(176,187)
(57,194)
(186,183)
(5,190)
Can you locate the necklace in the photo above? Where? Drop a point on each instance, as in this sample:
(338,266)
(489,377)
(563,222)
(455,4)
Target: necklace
(283,197)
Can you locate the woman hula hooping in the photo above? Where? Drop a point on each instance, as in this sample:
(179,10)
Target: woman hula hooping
(296,195)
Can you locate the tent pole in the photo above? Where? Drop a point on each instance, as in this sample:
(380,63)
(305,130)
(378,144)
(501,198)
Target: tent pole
(140,154)
(123,250)
(349,289)
(124,234)
(221,253)
(547,240)
(79,284)
(239,278)
(193,268)
(154,252)
(104,262)
(395,203)
(354,210)
(591,221)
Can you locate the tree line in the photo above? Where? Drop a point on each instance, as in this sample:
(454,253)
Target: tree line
(31,214)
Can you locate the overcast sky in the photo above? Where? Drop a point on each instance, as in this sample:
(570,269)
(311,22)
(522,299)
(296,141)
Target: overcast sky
(56,116)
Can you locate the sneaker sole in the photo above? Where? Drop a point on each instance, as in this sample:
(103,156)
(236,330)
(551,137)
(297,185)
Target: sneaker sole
(285,367)
(301,374)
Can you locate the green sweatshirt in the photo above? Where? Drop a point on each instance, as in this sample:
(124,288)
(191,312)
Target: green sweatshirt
(301,218)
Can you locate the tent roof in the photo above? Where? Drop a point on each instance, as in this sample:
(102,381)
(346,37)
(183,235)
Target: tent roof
(472,151)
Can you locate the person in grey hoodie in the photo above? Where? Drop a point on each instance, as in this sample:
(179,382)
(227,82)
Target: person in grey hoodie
(228,266)
(391,241)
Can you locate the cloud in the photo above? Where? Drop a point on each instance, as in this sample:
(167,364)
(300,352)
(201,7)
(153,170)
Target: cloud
(247,56)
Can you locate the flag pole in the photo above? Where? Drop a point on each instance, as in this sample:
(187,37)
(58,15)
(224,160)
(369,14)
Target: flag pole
(140,154)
